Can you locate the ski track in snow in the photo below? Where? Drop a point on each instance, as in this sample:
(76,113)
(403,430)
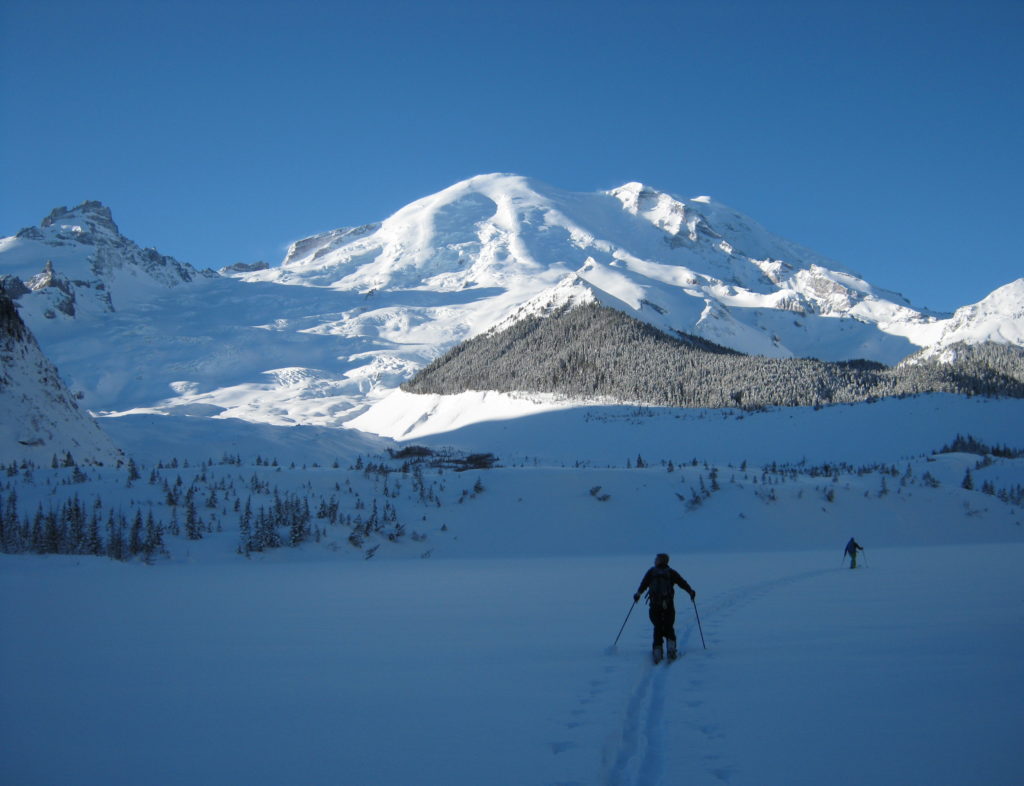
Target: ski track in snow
(636,756)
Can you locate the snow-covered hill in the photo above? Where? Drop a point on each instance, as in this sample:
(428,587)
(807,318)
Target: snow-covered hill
(352,313)
(41,419)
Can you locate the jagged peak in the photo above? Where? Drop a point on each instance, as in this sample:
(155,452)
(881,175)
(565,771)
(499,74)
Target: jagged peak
(81,248)
(91,210)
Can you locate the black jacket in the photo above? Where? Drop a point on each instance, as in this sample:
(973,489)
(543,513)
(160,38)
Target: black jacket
(677,581)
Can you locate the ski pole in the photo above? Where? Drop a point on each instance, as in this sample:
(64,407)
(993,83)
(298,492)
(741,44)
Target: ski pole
(697,613)
(623,624)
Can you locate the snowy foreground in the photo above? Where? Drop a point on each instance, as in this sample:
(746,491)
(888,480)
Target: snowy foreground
(474,646)
(498,671)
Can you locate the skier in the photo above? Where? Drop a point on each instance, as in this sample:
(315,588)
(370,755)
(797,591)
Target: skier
(852,548)
(660,582)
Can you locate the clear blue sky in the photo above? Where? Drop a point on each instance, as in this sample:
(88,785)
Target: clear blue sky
(887,135)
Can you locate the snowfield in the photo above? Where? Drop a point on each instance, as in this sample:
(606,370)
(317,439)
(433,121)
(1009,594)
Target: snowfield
(469,671)
(480,651)
(570,431)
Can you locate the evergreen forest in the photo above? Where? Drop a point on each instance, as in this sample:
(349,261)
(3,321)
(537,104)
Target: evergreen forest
(596,352)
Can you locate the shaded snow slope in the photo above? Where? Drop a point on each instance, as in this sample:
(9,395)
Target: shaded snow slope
(509,584)
(567,431)
(302,672)
(152,438)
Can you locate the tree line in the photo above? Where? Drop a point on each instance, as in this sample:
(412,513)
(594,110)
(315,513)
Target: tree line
(136,510)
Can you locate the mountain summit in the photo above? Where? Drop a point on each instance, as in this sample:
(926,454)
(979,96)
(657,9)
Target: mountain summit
(78,259)
(351,314)
(693,266)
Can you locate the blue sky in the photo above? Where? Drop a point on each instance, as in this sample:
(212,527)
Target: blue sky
(884,135)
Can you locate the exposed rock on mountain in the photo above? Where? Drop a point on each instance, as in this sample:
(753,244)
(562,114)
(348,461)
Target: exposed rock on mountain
(41,418)
(78,259)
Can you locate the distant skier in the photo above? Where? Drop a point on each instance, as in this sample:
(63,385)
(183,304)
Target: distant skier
(660,582)
(852,548)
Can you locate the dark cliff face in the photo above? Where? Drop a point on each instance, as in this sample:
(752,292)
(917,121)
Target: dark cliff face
(11,326)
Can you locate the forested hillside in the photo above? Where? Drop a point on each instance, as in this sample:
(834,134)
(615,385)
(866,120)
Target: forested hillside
(593,351)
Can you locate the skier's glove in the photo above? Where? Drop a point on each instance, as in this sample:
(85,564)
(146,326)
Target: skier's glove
(693,595)
(636,597)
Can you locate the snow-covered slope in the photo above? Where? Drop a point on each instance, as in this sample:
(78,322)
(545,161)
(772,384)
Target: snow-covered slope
(998,318)
(352,313)
(511,583)
(40,417)
(301,672)
(77,260)
(694,266)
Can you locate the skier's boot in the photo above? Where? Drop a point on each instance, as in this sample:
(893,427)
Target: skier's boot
(672,653)
(656,653)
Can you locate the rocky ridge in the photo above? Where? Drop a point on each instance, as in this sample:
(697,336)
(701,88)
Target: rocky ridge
(41,419)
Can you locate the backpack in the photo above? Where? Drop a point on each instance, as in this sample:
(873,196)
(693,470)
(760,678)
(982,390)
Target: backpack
(660,590)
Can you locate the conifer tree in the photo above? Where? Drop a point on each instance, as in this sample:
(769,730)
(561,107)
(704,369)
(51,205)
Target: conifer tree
(245,543)
(135,540)
(193,525)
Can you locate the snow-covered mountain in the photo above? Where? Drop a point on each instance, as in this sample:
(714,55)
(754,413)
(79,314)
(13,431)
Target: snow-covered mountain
(77,260)
(998,318)
(352,313)
(40,416)
(694,266)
